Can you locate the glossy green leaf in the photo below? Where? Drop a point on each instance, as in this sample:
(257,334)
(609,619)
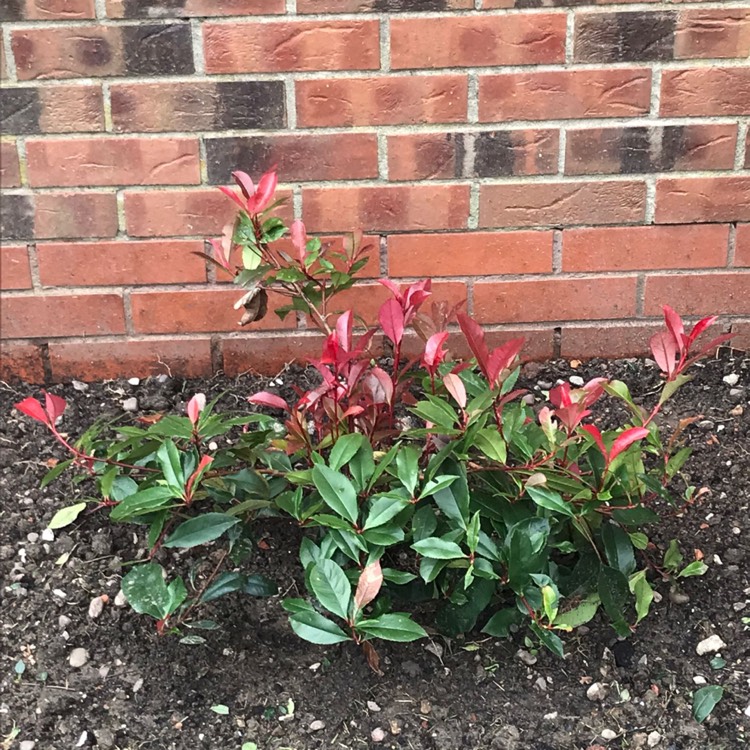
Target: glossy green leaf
(344,449)
(618,548)
(550,500)
(65,516)
(435,485)
(258,585)
(705,700)
(548,639)
(613,591)
(579,615)
(200,530)
(171,466)
(331,587)
(696,568)
(644,594)
(491,443)
(392,627)
(438,549)
(145,501)
(147,593)
(312,626)
(336,490)
(55,472)
(499,625)
(383,509)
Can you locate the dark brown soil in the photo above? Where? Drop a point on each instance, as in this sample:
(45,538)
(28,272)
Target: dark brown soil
(138,690)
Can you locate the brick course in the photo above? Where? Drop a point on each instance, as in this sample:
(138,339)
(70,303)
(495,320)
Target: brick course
(568,166)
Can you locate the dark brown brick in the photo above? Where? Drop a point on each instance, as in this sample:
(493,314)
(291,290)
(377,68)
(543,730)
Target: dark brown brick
(151,50)
(345,156)
(46,10)
(203,105)
(382,6)
(626,150)
(16,217)
(25,110)
(20,110)
(75,215)
(515,152)
(191,8)
(632,36)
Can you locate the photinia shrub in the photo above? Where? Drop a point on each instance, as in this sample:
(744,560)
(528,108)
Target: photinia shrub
(427,481)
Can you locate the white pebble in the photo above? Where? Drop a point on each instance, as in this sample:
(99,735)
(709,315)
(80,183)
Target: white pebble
(82,739)
(48,535)
(138,684)
(731,379)
(317,725)
(96,607)
(33,537)
(79,386)
(608,734)
(130,404)
(654,738)
(747,710)
(63,622)
(699,680)
(213,446)
(374,707)
(550,716)
(377,735)
(596,692)
(27,745)
(576,380)
(59,593)
(134,381)
(709,645)
(78,657)
(120,599)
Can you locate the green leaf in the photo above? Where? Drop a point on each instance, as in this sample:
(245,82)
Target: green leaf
(123,487)
(553,501)
(258,585)
(384,536)
(452,618)
(331,587)
(550,601)
(526,550)
(696,568)
(454,503)
(639,540)
(673,557)
(429,569)
(399,577)
(55,472)
(671,387)
(548,639)
(438,549)
(250,258)
(169,460)
(437,412)
(362,465)
(312,626)
(344,449)
(635,516)
(435,485)
(392,627)
(407,468)
(383,509)
(66,516)
(226,583)
(147,593)
(643,592)
(336,490)
(500,623)
(200,530)
(423,523)
(705,700)
(220,709)
(613,591)
(472,532)
(579,615)
(146,501)
(618,548)
(491,443)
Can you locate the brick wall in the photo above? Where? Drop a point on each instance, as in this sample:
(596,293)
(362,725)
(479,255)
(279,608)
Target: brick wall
(568,168)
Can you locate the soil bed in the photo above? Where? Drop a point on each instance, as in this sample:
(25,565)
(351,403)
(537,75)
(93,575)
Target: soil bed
(137,690)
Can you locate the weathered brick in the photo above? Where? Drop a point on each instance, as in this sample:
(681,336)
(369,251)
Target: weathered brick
(112,161)
(46,10)
(699,294)
(390,100)
(469,254)
(16,217)
(291,46)
(75,215)
(200,311)
(104,360)
(547,300)
(629,150)
(82,51)
(199,105)
(608,341)
(191,8)
(561,203)
(52,316)
(10,172)
(21,362)
(645,248)
(683,200)
(3,66)
(175,213)
(742,245)
(381,6)
(712,33)
(54,109)
(633,36)
(747,150)
(422,156)
(705,91)
(265,355)
(564,94)
(447,42)
(341,156)
(15,272)
(741,336)
(386,208)
(120,263)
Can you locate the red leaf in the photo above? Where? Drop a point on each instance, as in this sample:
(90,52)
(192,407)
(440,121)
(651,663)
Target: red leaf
(299,239)
(393,288)
(391,318)
(560,396)
(664,349)
(378,385)
(370,583)
(265,191)
(245,183)
(434,353)
(54,406)
(701,326)
(502,358)
(714,343)
(475,339)
(674,324)
(594,432)
(344,330)
(626,439)
(233,195)
(264,398)
(32,408)
(202,466)
(195,406)
(455,386)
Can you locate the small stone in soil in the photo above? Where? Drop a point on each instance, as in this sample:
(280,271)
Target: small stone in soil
(608,734)
(678,597)
(526,657)
(377,734)
(48,535)
(63,622)
(699,680)
(425,707)
(372,706)
(27,745)
(79,386)
(654,738)
(134,381)
(317,725)
(550,716)
(709,645)
(120,599)
(32,537)
(731,379)
(96,607)
(596,692)
(130,404)
(78,657)
(576,380)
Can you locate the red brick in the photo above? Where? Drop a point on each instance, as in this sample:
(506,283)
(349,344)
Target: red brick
(392,6)
(193,8)
(425,156)
(446,42)
(392,100)
(75,215)
(747,150)
(175,213)
(685,200)
(15,272)
(107,360)
(51,316)
(564,94)
(71,109)
(470,254)
(547,300)
(21,362)
(10,172)
(268,356)
(386,208)
(629,150)
(742,246)
(120,263)
(50,10)
(705,91)
(64,162)
(741,338)
(609,341)
(560,203)
(199,311)
(699,294)
(645,248)
(712,33)
(291,46)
